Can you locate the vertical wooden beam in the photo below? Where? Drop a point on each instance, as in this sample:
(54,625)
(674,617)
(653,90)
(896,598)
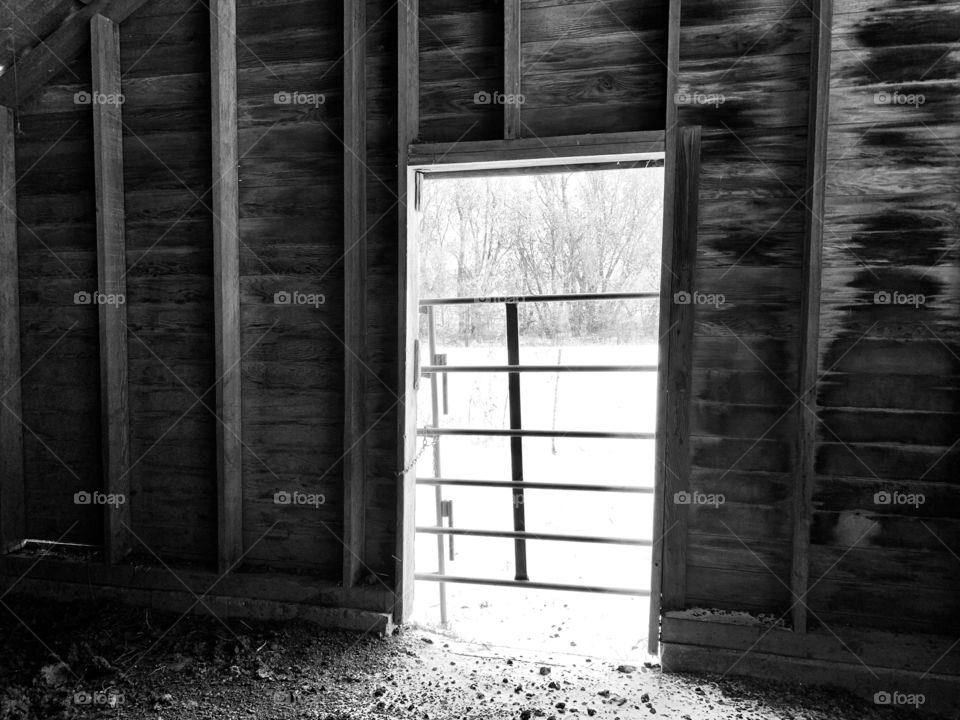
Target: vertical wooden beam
(662,478)
(111,271)
(810,305)
(12,512)
(226,272)
(676,378)
(355,284)
(511,68)
(408,122)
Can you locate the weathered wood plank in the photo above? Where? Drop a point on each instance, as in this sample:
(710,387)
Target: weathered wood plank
(512,85)
(677,344)
(226,254)
(811,275)
(111,269)
(12,509)
(355,286)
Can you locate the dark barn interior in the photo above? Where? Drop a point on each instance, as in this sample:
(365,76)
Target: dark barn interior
(208,301)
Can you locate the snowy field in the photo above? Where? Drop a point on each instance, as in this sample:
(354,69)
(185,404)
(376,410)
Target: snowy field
(553,620)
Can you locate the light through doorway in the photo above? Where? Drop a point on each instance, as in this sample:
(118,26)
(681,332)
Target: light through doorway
(538,335)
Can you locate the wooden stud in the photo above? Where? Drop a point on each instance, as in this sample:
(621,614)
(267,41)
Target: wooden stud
(511,68)
(810,305)
(674,468)
(408,317)
(12,511)
(664,452)
(226,271)
(111,272)
(355,284)
(65,44)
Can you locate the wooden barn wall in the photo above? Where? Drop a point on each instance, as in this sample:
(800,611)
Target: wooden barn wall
(461,54)
(164,61)
(291,233)
(889,402)
(586,67)
(59,338)
(743,76)
(594,66)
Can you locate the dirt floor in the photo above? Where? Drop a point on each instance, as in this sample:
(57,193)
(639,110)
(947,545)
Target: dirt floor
(84,660)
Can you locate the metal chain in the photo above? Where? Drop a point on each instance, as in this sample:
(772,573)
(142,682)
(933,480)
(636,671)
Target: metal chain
(427,444)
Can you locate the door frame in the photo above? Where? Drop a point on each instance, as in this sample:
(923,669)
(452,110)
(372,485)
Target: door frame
(418,160)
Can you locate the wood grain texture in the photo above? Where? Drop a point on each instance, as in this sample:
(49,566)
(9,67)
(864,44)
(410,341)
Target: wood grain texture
(512,84)
(811,272)
(461,44)
(170,313)
(887,400)
(57,50)
(61,457)
(593,67)
(111,274)
(12,509)
(226,264)
(355,287)
(292,222)
(677,343)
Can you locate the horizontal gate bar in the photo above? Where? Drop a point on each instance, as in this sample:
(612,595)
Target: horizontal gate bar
(528,485)
(514,299)
(480,432)
(515,535)
(600,589)
(430,369)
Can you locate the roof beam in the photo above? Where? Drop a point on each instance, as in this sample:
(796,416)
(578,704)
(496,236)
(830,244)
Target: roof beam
(58,50)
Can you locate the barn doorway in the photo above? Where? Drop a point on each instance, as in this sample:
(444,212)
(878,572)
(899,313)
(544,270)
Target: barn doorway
(539,299)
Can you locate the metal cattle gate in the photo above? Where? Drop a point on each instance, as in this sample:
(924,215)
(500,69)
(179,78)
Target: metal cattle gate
(438,368)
